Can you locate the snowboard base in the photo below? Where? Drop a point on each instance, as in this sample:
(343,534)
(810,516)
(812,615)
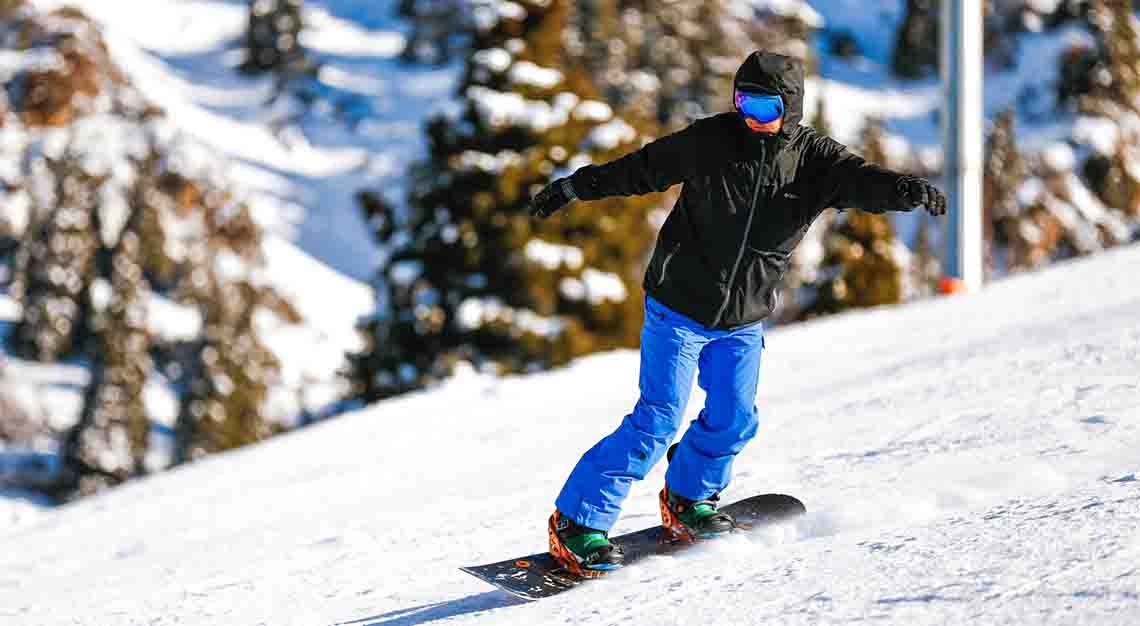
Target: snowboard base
(540,576)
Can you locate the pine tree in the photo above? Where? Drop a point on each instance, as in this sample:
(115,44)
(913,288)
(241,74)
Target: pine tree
(1115,24)
(860,267)
(473,277)
(1118,184)
(926,263)
(228,370)
(1001,24)
(819,120)
(55,265)
(108,444)
(674,61)
(1003,172)
(273,38)
(917,41)
(85,269)
(801,283)
(229,374)
(437,26)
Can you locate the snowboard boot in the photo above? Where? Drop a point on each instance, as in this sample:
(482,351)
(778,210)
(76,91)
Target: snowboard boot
(689,521)
(583,551)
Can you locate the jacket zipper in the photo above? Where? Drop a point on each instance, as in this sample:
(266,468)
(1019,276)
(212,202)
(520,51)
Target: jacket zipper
(744,241)
(665,264)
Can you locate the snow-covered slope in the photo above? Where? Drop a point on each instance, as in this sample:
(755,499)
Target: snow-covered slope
(969,460)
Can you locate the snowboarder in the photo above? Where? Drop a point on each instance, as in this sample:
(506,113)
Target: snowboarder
(753,180)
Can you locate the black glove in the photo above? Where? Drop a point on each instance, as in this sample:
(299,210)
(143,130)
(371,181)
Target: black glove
(913,191)
(552,198)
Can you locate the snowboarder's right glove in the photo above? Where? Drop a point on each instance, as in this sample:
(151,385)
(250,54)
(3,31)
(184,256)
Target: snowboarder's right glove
(913,191)
(552,198)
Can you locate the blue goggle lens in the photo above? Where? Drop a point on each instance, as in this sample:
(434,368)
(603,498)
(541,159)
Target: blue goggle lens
(763,108)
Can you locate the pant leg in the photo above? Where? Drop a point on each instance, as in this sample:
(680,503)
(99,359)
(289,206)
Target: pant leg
(729,374)
(599,483)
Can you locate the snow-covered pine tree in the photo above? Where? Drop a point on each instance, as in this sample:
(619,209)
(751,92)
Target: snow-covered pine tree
(108,444)
(55,264)
(438,26)
(472,276)
(675,61)
(1115,24)
(1004,171)
(925,267)
(273,37)
(1114,176)
(819,119)
(861,265)
(90,210)
(801,283)
(917,40)
(1002,22)
(227,372)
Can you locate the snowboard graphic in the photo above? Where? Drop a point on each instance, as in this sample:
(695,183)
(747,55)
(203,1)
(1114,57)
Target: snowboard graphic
(540,576)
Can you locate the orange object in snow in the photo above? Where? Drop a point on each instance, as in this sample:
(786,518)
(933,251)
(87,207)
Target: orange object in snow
(949,285)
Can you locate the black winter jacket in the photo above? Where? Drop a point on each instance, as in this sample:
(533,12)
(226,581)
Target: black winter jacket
(746,202)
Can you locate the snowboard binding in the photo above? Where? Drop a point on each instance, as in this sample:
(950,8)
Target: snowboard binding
(594,564)
(682,524)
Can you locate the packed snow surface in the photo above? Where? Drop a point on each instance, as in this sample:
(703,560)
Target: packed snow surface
(969,460)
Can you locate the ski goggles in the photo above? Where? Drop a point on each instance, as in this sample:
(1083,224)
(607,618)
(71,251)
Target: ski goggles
(762,107)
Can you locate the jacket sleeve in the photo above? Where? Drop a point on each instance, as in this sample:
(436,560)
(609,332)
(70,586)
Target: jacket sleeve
(656,166)
(848,180)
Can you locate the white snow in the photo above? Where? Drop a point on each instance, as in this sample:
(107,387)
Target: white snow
(967,460)
(475,312)
(610,135)
(594,286)
(1059,158)
(171,321)
(527,73)
(311,354)
(797,9)
(602,286)
(499,109)
(476,160)
(494,59)
(330,34)
(1099,132)
(553,255)
(593,111)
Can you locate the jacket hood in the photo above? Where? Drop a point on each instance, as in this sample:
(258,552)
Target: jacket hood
(775,73)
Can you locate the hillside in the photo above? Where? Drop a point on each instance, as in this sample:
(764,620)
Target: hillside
(963,460)
(296,170)
(300,158)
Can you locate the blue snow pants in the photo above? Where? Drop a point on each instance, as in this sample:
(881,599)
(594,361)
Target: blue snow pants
(673,347)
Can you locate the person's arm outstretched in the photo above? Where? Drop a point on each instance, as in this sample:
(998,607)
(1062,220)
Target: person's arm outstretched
(850,181)
(656,166)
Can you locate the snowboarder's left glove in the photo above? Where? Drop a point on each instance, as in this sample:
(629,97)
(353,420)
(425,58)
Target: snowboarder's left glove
(913,191)
(552,198)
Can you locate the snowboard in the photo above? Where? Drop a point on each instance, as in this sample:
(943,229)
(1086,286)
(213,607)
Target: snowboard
(539,576)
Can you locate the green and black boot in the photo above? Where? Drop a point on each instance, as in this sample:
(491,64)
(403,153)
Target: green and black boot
(584,551)
(687,521)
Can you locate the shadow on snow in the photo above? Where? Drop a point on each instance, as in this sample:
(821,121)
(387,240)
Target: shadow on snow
(428,613)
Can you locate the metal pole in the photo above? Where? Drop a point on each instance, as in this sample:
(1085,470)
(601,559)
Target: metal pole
(962,129)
